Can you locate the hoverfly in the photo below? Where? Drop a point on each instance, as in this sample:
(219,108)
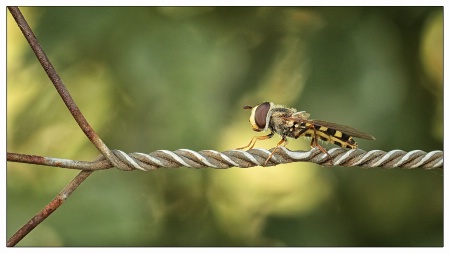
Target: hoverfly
(287,122)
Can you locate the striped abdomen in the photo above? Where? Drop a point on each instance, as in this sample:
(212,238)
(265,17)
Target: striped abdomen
(329,135)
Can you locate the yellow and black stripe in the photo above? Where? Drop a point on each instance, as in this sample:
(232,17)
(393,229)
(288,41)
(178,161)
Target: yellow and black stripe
(329,135)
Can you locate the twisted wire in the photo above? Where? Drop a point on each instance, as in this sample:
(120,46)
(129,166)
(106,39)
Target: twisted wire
(257,157)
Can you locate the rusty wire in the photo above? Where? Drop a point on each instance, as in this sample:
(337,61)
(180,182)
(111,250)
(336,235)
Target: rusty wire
(186,157)
(251,158)
(49,208)
(61,88)
(76,114)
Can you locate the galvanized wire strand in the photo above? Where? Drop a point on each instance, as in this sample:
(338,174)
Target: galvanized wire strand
(244,159)
(257,157)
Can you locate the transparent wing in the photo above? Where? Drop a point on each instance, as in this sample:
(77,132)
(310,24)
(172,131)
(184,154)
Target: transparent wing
(344,129)
(300,115)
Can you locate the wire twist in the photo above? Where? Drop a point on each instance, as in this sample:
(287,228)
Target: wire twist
(257,157)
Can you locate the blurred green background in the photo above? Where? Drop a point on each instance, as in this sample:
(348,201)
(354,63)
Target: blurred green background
(169,78)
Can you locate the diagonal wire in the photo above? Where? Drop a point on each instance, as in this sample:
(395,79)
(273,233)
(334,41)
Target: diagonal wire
(48,209)
(77,115)
(61,88)
(251,158)
(186,157)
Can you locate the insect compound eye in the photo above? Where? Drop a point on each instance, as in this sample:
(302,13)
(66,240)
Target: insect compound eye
(261,114)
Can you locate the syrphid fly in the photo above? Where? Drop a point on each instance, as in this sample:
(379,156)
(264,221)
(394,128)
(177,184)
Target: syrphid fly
(287,122)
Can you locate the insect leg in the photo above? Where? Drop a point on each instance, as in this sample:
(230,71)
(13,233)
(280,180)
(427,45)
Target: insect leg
(314,143)
(304,129)
(283,140)
(255,139)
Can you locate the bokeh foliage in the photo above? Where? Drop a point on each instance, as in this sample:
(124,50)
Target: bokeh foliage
(177,77)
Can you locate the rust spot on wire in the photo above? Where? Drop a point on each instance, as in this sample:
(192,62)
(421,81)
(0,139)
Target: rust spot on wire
(48,209)
(23,158)
(62,90)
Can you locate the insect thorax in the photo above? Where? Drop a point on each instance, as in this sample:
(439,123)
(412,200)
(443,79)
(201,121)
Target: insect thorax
(280,124)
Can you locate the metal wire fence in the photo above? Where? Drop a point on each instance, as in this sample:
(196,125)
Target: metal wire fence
(189,158)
